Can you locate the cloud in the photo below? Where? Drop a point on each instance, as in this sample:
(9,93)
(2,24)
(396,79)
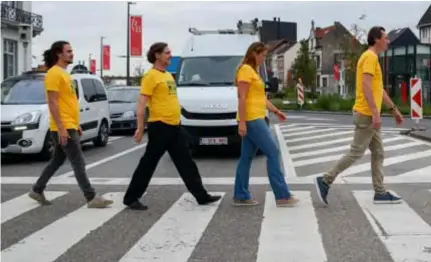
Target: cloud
(83,23)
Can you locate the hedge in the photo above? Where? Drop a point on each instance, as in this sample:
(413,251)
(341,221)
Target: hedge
(336,103)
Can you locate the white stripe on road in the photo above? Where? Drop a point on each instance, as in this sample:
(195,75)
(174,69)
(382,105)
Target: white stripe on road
(285,130)
(388,161)
(325,143)
(288,233)
(336,149)
(24,203)
(319,125)
(426,171)
(105,160)
(405,234)
(308,132)
(288,168)
(308,138)
(339,156)
(52,241)
(113,138)
(174,236)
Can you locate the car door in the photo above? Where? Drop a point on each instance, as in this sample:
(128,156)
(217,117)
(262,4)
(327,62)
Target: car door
(102,104)
(90,121)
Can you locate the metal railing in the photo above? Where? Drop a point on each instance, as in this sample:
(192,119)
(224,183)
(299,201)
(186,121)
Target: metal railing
(19,16)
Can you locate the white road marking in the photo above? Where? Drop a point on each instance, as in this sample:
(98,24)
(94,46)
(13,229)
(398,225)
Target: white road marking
(308,138)
(285,130)
(164,181)
(306,133)
(113,138)
(388,161)
(405,234)
(336,149)
(324,159)
(105,160)
(19,205)
(174,236)
(426,171)
(320,125)
(53,240)
(286,160)
(324,143)
(290,232)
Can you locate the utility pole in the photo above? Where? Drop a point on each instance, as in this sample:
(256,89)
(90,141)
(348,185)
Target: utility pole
(128,44)
(101,56)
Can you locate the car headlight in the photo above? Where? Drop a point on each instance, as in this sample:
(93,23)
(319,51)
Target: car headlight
(129,114)
(27,118)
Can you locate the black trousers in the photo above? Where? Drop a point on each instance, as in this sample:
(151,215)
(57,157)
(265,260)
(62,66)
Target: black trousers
(161,138)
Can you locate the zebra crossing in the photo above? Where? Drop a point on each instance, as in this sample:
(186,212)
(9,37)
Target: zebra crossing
(182,231)
(313,149)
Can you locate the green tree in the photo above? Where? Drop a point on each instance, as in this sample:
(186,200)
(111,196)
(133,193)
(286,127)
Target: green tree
(305,67)
(353,46)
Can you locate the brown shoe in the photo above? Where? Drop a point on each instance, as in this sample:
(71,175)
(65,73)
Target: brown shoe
(99,202)
(289,202)
(247,202)
(40,198)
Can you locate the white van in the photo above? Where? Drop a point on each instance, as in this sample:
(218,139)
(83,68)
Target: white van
(205,87)
(25,113)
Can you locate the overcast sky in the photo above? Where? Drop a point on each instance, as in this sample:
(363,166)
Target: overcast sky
(83,23)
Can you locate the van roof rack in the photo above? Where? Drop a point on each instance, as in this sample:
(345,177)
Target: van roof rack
(251,28)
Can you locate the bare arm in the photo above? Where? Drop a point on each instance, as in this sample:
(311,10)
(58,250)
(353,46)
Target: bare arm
(53,108)
(242,94)
(271,107)
(368,92)
(140,110)
(387,100)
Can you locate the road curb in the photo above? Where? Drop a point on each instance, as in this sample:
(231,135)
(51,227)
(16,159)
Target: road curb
(417,134)
(339,113)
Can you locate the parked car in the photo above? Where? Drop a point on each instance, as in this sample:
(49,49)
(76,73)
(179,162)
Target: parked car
(25,113)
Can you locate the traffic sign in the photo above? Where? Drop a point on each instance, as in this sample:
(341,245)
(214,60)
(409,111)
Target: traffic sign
(416,99)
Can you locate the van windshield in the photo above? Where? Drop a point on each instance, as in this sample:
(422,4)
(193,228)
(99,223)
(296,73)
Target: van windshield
(208,71)
(23,91)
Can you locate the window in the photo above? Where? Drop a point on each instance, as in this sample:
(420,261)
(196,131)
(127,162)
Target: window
(89,90)
(100,90)
(23,91)
(208,71)
(317,61)
(324,81)
(10,58)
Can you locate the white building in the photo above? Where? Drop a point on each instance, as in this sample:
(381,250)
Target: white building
(424,27)
(18,27)
(282,60)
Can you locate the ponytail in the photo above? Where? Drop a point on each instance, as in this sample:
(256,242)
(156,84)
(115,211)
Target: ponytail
(49,58)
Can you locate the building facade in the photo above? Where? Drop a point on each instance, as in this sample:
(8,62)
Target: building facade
(18,28)
(424,27)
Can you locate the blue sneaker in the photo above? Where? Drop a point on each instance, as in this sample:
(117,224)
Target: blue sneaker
(386,198)
(322,189)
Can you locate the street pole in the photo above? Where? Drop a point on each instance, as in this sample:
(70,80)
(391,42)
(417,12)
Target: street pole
(128,46)
(101,56)
(89,61)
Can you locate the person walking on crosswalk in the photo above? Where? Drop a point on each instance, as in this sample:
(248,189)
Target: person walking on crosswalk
(64,126)
(255,133)
(369,97)
(159,92)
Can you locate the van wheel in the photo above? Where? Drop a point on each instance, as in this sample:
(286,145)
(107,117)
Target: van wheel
(103,135)
(48,148)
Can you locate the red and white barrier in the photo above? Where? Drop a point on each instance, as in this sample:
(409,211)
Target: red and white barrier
(300,92)
(416,112)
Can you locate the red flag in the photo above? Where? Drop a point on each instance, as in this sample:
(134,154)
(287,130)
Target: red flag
(336,71)
(135,35)
(106,57)
(93,66)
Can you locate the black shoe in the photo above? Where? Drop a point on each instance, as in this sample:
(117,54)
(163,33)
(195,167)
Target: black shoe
(208,200)
(137,206)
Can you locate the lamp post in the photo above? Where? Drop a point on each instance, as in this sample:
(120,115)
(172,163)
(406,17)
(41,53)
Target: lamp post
(128,43)
(101,56)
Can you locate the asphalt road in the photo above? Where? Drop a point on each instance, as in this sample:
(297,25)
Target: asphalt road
(174,228)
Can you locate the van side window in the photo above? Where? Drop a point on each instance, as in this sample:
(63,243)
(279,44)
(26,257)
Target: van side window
(100,90)
(89,90)
(75,85)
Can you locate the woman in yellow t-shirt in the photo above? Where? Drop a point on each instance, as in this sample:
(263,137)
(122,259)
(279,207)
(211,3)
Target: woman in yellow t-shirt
(252,105)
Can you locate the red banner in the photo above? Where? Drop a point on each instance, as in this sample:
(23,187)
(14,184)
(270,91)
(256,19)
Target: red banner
(135,35)
(93,66)
(106,57)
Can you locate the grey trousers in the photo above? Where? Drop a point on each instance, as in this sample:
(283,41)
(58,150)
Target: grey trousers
(73,152)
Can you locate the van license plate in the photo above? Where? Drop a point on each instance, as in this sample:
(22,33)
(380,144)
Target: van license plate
(214,141)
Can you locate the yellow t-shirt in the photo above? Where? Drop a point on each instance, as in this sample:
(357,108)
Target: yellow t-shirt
(59,80)
(163,102)
(255,101)
(368,64)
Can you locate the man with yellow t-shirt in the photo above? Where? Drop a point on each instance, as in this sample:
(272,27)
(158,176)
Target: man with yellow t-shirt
(158,90)
(64,126)
(369,97)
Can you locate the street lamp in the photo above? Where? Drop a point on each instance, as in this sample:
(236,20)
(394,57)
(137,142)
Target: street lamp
(101,56)
(128,43)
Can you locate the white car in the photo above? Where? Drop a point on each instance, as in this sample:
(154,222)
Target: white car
(25,113)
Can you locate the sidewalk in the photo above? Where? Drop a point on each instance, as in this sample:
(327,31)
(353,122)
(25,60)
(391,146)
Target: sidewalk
(339,113)
(423,135)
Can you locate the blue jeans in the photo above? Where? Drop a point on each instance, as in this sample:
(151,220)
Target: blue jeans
(259,137)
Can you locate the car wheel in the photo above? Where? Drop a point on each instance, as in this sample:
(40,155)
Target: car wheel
(103,135)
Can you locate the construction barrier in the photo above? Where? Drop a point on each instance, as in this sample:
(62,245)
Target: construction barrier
(300,93)
(416,112)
